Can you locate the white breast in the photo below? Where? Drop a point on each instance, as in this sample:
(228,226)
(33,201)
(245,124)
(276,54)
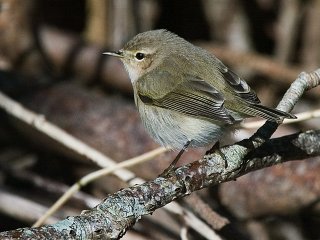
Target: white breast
(172,129)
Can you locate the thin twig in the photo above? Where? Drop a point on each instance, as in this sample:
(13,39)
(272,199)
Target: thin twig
(38,122)
(215,220)
(93,176)
(311,35)
(184,233)
(287,31)
(22,208)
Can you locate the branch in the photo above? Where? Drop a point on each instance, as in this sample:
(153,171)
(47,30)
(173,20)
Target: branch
(122,209)
(55,133)
(119,211)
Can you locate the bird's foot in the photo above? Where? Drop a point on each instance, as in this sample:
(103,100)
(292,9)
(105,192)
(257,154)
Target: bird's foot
(216,149)
(172,166)
(168,171)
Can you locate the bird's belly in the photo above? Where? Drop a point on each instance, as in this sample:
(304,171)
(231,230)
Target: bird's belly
(174,130)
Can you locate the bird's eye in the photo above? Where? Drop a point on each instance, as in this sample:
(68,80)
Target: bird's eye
(139,56)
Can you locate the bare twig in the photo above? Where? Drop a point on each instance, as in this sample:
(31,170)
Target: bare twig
(41,124)
(311,36)
(184,233)
(215,220)
(38,122)
(93,176)
(287,31)
(97,28)
(22,208)
(206,230)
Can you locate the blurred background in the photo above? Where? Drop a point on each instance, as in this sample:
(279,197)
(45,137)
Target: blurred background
(51,62)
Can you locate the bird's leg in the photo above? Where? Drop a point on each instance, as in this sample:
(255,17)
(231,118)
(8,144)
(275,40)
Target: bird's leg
(175,161)
(216,148)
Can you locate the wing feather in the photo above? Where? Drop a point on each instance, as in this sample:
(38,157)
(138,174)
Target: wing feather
(238,84)
(194,97)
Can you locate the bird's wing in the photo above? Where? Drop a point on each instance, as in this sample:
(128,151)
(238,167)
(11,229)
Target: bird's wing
(251,104)
(237,84)
(192,96)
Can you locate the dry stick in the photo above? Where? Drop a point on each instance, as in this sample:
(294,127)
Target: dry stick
(93,176)
(215,220)
(38,122)
(206,230)
(22,208)
(184,233)
(51,186)
(287,30)
(310,52)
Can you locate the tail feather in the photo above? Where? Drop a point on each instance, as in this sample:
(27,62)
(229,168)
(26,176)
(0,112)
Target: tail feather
(267,113)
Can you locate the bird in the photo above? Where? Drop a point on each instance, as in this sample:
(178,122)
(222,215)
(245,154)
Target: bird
(186,96)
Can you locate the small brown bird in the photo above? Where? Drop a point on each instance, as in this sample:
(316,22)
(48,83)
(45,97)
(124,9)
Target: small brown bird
(184,94)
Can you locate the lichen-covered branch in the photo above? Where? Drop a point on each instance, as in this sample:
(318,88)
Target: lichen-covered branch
(119,211)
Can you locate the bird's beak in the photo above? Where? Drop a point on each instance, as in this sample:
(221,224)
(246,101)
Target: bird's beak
(118,54)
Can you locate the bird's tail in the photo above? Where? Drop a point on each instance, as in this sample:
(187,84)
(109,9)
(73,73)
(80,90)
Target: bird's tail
(266,112)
